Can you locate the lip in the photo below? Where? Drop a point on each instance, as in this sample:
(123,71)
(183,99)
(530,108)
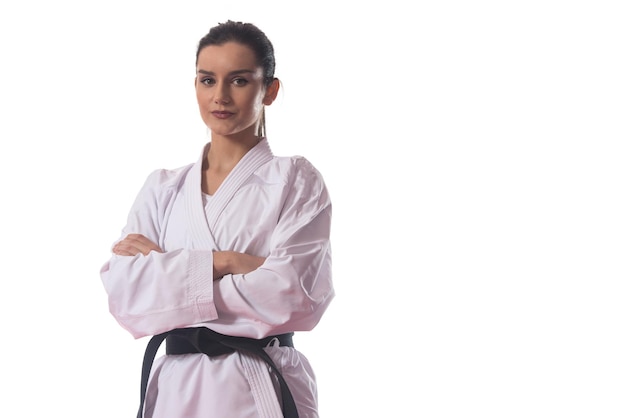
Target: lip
(220,114)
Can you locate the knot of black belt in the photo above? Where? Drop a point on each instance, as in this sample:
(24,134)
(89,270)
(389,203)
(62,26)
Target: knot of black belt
(211,343)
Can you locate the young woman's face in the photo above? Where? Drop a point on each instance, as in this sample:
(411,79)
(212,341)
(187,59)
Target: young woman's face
(230,89)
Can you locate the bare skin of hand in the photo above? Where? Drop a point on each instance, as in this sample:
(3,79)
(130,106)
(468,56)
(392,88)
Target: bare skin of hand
(232,262)
(134,244)
(224,262)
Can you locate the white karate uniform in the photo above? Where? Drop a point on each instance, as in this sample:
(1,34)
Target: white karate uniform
(274,207)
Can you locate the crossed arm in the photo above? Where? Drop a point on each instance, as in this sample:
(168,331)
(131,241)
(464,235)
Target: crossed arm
(224,262)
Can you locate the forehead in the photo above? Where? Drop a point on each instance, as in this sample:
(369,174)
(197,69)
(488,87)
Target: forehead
(227,57)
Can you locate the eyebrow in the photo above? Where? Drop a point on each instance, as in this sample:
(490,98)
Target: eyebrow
(236,72)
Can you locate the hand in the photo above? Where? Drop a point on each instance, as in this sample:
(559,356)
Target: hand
(134,244)
(232,262)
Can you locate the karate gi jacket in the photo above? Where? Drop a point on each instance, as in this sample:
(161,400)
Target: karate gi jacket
(269,206)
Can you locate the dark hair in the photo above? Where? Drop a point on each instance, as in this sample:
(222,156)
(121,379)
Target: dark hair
(246,34)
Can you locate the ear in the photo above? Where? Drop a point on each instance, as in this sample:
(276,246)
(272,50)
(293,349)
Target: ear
(271,92)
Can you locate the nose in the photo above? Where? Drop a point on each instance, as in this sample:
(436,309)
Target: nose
(222,95)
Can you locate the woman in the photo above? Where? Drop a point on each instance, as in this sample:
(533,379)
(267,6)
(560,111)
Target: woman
(225,258)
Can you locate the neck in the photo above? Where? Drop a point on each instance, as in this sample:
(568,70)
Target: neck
(225,151)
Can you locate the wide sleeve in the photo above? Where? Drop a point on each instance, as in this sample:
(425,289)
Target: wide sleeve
(292,289)
(151,294)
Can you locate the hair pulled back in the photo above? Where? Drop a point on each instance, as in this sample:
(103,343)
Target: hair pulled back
(246,34)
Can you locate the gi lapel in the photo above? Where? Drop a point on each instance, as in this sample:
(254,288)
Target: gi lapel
(202,220)
(202,237)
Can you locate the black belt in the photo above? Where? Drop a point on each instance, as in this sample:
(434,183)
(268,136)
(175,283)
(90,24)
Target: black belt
(211,343)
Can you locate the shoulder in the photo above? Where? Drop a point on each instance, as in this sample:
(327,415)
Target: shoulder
(161,186)
(293,167)
(293,172)
(166,179)
(301,179)
(303,170)
(304,166)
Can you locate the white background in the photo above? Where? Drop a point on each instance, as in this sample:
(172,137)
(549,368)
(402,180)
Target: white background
(474,152)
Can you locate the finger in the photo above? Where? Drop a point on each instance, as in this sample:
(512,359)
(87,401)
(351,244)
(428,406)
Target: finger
(121,251)
(130,246)
(137,243)
(145,246)
(125,248)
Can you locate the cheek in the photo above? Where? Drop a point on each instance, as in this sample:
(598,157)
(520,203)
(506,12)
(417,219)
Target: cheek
(200,96)
(258,106)
(257,103)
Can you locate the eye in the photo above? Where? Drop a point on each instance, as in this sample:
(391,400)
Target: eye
(240,81)
(207,81)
